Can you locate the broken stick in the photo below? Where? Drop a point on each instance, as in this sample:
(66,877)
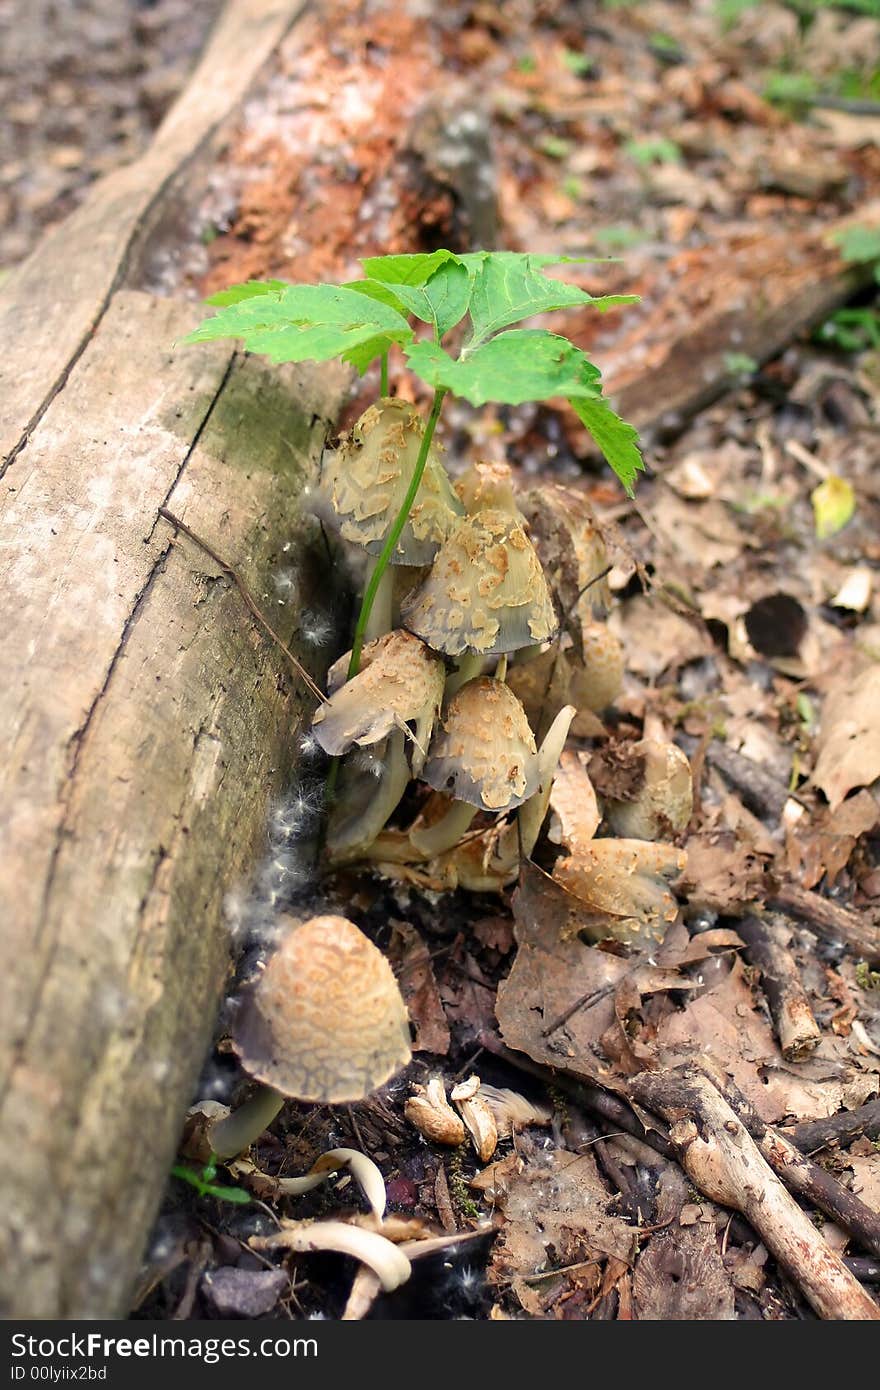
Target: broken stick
(831,921)
(786,998)
(721,1158)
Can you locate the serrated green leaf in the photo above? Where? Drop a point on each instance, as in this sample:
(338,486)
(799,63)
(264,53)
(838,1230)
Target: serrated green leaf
(251,290)
(617,440)
(522,365)
(443,300)
(309,323)
(374,289)
(412,269)
(509,287)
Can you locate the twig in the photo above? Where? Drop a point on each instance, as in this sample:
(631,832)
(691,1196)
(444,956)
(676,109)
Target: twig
(789,1007)
(836,1130)
(806,1178)
(249,601)
(829,920)
(760,792)
(721,1158)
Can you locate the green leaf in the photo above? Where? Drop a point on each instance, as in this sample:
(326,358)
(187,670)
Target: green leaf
(374,289)
(522,365)
(251,290)
(858,244)
(309,323)
(413,269)
(617,440)
(834,505)
(441,301)
(509,287)
(655,151)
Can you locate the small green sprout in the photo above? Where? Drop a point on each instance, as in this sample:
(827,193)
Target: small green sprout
(581,64)
(740,364)
(204,1184)
(555,147)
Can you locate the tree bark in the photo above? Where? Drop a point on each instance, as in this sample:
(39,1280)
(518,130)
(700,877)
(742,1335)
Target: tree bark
(146,721)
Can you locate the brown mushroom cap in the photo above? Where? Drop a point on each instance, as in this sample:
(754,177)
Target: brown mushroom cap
(484,751)
(368,475)
(486,591)
(400,680)
(571,548)
(326,1021)
(488,485)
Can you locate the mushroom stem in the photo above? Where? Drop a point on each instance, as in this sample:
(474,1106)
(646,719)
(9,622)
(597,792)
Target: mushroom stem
(393,536)
(355,823)
(469,665)
(237,1131)
(446,832)
(379,621)
(531,814)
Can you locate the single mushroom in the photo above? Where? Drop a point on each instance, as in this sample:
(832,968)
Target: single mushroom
(400,683)
(485,757)
(663,805)
(325,1022)
(486,592)
(367,477)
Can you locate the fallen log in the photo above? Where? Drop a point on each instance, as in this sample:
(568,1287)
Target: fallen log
(146,721)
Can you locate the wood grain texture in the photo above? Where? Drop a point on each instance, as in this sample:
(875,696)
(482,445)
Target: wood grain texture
(145,725)
(53,302)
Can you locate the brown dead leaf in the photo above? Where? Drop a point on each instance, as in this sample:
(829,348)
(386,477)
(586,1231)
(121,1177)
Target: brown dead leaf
(418,986)
(681,1277)
(557,1216)
(654,637)
(625,879)
(849,736)
(721,873)
(573,802)
(825,844)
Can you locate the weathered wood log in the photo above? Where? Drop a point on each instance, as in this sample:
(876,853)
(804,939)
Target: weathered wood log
(146,722)
(750,296)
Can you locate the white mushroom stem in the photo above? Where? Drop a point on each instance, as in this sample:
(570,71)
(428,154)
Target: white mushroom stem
(352,831)
(446,832)
(237,1131)
(531,814)
(469,665)
(379,620)
(385,1259)
(364,1171)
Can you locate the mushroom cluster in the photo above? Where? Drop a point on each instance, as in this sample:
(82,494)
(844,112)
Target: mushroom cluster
(464,663)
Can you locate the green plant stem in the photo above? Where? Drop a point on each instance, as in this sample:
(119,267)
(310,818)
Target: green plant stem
(383,375)
(393,536)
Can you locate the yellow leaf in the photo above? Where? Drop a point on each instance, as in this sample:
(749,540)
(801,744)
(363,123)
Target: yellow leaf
(834,503)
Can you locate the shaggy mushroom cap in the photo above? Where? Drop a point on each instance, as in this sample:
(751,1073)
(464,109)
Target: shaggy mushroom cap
(572,550)
(484,752)
(400,681)
(367,478)
(326,1021)
(486,591)
(488,485)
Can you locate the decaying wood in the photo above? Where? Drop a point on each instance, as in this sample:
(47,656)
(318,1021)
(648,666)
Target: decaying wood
(724,1162)
(758,291)
(52,303)
(834,923)
(760,791)
(145,722)
(789,1006)
(837,1130)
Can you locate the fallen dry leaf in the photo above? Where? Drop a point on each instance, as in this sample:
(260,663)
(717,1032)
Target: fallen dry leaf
(849,736)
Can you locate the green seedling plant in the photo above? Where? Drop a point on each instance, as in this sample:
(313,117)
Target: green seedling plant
(204,1183)
(451,317)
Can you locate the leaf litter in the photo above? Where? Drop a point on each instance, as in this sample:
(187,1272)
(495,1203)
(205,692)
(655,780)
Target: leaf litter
(746,613)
